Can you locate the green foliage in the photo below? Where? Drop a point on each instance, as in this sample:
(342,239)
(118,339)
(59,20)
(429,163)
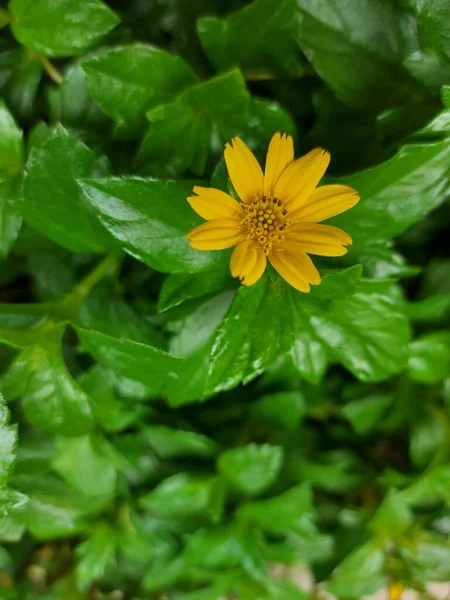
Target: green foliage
(164,431)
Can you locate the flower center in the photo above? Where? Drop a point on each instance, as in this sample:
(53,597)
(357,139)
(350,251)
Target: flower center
(266,220)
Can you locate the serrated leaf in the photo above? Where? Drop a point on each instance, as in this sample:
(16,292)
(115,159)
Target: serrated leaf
(52,202)
(397,193)
(129,80)
(8,441)
(136,361)
(60,29)
(252,468)
(154,232)
(180,134)
(358,49)
(85,465)
(260,38)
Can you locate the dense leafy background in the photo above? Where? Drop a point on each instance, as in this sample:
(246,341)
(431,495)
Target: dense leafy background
(164,433)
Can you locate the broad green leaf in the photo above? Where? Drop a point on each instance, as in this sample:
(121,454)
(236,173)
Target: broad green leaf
(129,80)
(252,468)
(22,325)
(428,560)
(366,332)
(10,218)
(151,231)
(8,441)
(52,202)
(433,21)
(11,144)
(427,437)
(432,69)
(365,413)
(10,500)
(20,75)
(54,510)
(380,261)
(218,548)
(283,409)
(434,484)
(193,339)
(429,310)
(63,28)
(181,133)
(95,555)
(181,495)
(170,443)
(85,465)
(110,412)
(337,472)
(260,38)
(290,511)
(397,193)
(11,531)
(429,358)
(358,49)
(360,574)
(136,361)
(393,516)
(176,289)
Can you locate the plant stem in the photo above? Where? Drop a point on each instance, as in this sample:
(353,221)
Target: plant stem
(52,71)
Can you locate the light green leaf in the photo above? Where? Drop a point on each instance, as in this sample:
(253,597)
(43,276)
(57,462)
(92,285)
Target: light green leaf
(11,144)
(364,414)
(64,28)
(139,362)
(252,468)
(153,232)
(283,409)
(170,443)
(429,358)
(85,465)
(52,202)
(129,80)
(427,436)
(360,574)
(95,555)
(8,441)
(393,516)
(433,21)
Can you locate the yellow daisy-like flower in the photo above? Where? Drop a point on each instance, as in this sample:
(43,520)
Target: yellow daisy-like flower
(277,219)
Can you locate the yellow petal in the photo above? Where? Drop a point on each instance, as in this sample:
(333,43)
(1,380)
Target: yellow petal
(244,170)
(214,204)
(325,202)
(317,248)
(299,179)
(279,155)
(248,262)
(295,267)
(216,235)
(322,234)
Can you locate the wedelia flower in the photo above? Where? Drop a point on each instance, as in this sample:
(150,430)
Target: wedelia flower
(278,216)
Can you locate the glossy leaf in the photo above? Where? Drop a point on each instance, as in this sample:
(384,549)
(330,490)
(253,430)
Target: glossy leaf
(8,441)
(433,20)
(127,81)
(360,574)
(52,202)
(358,48)
(154,232)
(429,358)
(64,28)
(263,47)
(251,469)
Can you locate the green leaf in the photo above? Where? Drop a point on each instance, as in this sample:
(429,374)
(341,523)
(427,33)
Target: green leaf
(20,74)
(427,436)
(129,80)
(53,401)
(85,465)
(139,362)
(95,556)
(434,484)
(109,411)
(260,38)
(393,516)
(54,510)
(252,468)
(429,358)
(360,574)
(338,472)
(181,495)
(60,29)
(8,441)
(283,409)
(354,330)
(429,310)
(433,21)
(290,511)
(218,549)
(52,202)
(178,288)
(170,443)
(153,232)
(358,49)
(11,144)
(10,500)
(180,134)
(397,193)
(365,413)
(10,218)
(11,531)
(429,560)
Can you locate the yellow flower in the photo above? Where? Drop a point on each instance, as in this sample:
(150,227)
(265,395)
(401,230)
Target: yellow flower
(278,216)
